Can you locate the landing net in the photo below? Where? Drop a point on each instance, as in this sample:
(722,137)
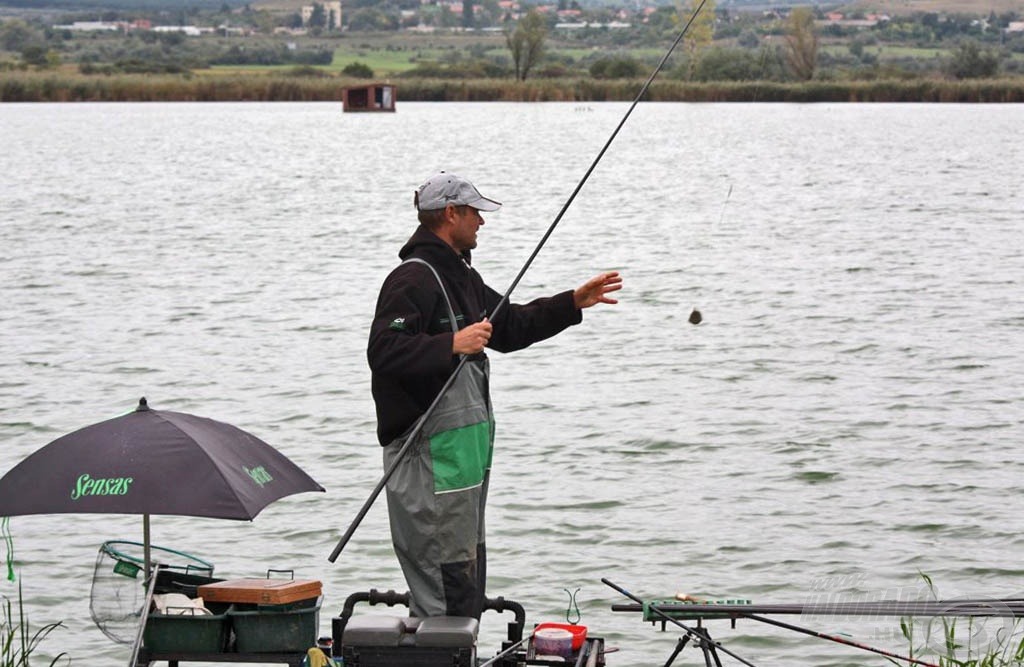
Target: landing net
(119,584)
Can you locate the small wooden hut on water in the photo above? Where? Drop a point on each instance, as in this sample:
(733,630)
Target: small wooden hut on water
(371,97)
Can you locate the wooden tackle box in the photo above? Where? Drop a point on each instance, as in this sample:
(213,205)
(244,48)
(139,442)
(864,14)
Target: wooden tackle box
(260,591)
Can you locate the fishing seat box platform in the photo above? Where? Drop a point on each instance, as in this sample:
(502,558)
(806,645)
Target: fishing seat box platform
(189,633)
(390,641)
(269,615)
(289,628)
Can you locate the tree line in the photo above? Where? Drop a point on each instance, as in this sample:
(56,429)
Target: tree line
(719,46)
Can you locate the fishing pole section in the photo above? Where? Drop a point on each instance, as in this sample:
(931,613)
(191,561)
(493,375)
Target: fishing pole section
(418,427)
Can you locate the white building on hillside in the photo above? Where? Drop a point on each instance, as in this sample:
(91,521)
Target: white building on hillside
(332,13)
(91,26)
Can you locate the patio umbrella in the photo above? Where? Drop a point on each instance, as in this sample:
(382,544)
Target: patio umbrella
(153,462)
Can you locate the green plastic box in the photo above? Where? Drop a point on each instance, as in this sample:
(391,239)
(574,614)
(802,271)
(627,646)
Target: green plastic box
(200,633)
(264,630)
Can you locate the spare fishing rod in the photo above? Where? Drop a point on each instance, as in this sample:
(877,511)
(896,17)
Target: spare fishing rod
(505,297)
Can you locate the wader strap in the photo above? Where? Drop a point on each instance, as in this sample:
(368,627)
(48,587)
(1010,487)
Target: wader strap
(451,313)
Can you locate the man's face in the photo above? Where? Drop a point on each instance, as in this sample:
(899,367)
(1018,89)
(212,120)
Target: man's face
(466,220)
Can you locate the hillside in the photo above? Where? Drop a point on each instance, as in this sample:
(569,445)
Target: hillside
(892,7)
(148,5)
(974,7)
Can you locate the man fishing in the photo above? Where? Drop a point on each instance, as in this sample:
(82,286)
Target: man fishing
(432,314)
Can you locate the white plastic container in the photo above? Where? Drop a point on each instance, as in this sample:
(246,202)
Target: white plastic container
(553,641)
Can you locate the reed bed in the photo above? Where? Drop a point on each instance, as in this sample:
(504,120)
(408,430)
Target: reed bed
(28,86)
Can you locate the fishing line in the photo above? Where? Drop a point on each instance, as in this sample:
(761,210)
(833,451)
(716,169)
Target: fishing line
(760,77)
(695,315)
(505,297)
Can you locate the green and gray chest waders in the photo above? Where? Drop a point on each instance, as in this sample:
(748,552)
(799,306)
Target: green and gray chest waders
(437,494)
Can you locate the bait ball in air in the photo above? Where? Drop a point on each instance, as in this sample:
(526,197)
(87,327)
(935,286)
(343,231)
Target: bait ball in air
(695,317)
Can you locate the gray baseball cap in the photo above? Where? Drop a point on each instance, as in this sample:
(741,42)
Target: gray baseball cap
(443,188)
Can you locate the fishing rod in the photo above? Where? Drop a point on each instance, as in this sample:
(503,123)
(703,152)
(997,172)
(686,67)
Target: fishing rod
(839,640)
(940,608)
(501,655)
(699,638)
(505,297)
(734,611)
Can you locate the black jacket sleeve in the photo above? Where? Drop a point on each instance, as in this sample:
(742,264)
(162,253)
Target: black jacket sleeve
(520,325)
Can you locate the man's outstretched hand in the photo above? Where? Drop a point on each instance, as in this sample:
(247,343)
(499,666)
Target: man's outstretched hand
(596,290)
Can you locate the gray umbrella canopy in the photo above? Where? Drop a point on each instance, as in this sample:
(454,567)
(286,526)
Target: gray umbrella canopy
(153,462)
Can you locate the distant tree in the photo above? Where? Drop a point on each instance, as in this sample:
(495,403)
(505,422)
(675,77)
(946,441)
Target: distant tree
(34,54)
(801,43)
(446,18)
(616,67)
(526,42)
(725,64)
(702,30)
(970,61)
(358,70)
(749,39)
(467,14)
(664,19)
(171,39)
(263,20)
(318,18)
(16,35)
(857,49)
(370,18)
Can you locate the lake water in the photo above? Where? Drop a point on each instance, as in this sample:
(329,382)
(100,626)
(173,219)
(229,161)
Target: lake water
(848,415)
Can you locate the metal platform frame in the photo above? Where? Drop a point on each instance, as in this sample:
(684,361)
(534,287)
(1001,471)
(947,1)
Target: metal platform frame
(147,657)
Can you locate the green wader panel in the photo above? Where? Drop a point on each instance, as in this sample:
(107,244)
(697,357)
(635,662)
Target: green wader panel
(437,494)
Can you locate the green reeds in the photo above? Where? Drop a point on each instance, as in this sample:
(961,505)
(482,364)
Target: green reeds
(946,643)
(17,641)
(31,86)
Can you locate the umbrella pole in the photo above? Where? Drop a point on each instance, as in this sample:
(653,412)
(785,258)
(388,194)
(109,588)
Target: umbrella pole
(145,544)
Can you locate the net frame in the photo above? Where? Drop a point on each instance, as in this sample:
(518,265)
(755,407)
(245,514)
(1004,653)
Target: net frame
(118,593)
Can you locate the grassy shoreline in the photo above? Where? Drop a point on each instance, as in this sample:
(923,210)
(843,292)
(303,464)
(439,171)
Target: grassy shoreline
(72,87)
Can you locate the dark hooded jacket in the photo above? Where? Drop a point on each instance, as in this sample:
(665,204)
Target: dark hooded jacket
(410,346)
